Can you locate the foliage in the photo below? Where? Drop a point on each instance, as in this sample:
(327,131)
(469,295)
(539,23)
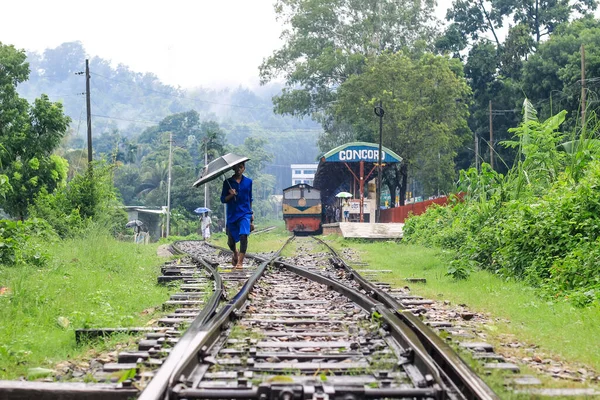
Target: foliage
(538,224)
(425,126)
(182,224)
(88,197)
(20,244)
(28,135)
(538,144)
(552,76)
(500,69)
(327,41)
(473,19)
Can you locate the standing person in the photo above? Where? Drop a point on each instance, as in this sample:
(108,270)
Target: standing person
(205,223)
(237,194)
(346,208)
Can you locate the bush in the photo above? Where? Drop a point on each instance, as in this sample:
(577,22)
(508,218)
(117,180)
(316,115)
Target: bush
(20,242)
(89,197)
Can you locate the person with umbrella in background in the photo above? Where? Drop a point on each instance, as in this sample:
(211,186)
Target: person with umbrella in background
(237,194)
(205,223)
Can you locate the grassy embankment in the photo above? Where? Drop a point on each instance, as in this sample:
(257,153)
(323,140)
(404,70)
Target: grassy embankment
(561,331)
(90,282)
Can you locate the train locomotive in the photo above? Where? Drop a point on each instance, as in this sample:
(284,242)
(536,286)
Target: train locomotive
(302,211)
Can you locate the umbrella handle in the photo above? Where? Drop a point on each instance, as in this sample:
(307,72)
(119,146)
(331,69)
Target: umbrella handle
(234,196)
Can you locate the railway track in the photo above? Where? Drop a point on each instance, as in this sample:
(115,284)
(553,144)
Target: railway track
(319,331)
(284,329)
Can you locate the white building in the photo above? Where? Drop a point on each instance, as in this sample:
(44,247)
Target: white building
(303,173)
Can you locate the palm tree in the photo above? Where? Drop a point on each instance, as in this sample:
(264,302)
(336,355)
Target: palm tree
(154,184)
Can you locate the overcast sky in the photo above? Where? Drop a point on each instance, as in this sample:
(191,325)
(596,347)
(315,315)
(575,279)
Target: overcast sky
(185,43)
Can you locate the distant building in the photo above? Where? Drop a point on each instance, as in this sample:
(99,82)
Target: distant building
(151,217)
(303,173)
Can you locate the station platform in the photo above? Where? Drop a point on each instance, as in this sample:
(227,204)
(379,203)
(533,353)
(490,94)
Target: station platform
(364,230)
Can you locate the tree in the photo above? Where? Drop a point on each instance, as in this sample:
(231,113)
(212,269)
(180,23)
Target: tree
(90,196)
(327,41)
(552,76)
(482,72)
(212,140)
(28,136)
(426,107)
(471,20)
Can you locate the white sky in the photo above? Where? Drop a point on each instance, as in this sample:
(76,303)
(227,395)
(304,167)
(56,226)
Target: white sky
(210,43)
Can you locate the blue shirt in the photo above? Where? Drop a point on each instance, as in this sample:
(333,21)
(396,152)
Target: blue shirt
(241,204)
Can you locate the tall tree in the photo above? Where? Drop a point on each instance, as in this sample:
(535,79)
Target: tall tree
(212,140)
(28,136)
(473,19)
(426,107)
(327,41)
(552,77)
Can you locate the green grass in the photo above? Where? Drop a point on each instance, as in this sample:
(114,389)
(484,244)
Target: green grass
(560,330)
(90,282)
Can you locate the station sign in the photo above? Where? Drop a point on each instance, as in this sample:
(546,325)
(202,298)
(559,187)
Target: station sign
(354,207)
(355,152)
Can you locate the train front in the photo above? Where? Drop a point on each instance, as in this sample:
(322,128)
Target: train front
(302,211)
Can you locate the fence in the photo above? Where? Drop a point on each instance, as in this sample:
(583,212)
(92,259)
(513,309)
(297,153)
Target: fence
(399,214)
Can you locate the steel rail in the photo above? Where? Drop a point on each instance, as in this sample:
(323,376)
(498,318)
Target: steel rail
(467,382)
(184,356)
(402,333)
(161,379)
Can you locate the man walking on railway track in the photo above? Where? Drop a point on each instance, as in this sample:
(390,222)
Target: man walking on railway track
(237,194)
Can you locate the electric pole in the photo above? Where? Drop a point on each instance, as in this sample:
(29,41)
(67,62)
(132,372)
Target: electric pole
(206,201)
(89,110)
(491,139)
(476,151)
(379,112)
(582,86)
(169,185)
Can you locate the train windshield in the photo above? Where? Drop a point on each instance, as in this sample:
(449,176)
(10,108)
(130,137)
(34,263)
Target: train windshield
(293,194)
(301,192)
(311,194)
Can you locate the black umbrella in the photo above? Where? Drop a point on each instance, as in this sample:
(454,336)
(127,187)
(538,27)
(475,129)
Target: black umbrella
(218,167)
(134,223)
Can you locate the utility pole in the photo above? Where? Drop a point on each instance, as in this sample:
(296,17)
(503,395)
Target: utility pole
(476,151)
(491,138)
(206,201)
(169,185)
(582,86)
(379,112)
(89,109)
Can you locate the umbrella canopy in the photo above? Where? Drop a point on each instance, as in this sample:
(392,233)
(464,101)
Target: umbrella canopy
(134,223)
(344,195)
(218,167)
(202,210)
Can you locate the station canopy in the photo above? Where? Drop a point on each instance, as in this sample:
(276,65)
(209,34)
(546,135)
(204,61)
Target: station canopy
(340,166)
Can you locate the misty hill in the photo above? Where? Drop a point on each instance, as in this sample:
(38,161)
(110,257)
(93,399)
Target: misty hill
(129,102)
